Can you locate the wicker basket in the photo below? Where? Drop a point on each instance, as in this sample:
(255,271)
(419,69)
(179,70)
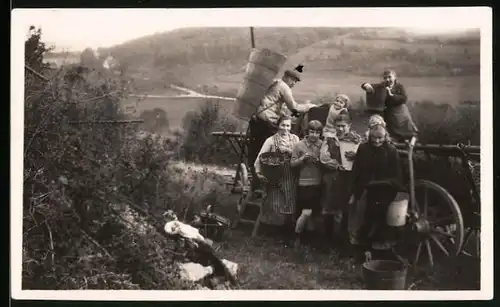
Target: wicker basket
(212,225)
(273,166)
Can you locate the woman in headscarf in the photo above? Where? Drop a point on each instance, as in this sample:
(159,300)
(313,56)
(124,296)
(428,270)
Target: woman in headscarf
(277,101)
(279,205)
(376,161)
(392,93)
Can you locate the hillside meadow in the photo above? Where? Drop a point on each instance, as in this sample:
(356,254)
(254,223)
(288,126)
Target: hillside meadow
(440,90)
(316,84)
(198,57)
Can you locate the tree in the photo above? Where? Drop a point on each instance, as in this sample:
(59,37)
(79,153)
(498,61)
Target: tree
(88,59)
(35,50)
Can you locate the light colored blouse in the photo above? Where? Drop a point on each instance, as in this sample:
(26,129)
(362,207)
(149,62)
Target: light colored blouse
(279,100)
(329,129)
(285,143)
(350,142)
(310,173)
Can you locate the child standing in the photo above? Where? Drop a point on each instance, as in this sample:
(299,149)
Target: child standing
(337,154)
(305,156)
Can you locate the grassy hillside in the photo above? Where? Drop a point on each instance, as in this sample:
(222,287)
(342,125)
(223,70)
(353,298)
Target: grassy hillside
(217,56)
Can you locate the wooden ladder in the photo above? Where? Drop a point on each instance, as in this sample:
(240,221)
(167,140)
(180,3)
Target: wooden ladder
(255,199)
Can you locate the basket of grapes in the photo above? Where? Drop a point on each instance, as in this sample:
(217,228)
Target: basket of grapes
(272,165)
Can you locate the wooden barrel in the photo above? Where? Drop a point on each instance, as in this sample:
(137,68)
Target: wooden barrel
(262,68)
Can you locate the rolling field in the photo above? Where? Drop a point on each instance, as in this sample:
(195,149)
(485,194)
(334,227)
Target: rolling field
(437,89)
(176,108)
(450,90)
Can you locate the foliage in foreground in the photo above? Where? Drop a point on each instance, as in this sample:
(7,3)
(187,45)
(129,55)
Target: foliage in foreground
(80,178)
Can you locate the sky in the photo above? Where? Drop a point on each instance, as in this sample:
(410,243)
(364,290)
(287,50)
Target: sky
(76,29)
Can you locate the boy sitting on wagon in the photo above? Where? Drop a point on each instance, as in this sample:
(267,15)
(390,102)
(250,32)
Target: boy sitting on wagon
(325,114)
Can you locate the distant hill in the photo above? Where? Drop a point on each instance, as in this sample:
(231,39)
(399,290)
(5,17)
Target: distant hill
(199,56)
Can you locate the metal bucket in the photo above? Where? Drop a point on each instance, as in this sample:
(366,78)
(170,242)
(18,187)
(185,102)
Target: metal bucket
(384,274)
(397,210)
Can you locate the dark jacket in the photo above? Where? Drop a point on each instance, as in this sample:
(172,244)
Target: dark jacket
(381,96)
(399,121)
(372,163)
(319,113)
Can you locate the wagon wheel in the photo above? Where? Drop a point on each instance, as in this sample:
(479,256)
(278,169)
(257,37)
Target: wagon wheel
(439,223)
(241,179)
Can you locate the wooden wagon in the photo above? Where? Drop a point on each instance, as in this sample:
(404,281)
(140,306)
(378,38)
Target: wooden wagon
(437,222)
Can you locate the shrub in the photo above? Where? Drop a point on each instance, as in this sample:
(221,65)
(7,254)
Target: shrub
(199,145)
(79,174)
(447,124)
(155,121)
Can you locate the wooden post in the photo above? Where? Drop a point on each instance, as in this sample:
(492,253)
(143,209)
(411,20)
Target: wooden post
(252,38)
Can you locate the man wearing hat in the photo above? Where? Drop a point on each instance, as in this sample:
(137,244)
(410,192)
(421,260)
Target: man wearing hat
(277,100)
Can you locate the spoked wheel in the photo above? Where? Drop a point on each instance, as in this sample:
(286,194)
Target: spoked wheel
(438,223)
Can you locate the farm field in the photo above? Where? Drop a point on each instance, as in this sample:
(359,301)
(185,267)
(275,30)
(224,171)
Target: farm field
(447,90)
(437,89)
(176,108)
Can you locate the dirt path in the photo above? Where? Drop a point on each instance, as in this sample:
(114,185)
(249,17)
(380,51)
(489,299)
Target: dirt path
(188,94)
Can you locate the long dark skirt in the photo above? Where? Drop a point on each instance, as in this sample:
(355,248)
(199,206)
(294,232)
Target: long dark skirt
(400,124)
(374,226)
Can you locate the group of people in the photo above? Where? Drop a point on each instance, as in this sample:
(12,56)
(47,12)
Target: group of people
(333,173)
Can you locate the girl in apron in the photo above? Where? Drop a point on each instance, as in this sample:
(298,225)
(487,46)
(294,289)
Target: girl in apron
(279,204)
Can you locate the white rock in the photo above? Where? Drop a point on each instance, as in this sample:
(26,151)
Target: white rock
(184,230)
(194,271)
(232,266)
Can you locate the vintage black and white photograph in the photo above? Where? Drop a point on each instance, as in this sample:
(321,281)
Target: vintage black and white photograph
(209,149)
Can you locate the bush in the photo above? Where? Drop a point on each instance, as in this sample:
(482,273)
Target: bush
(79,174)
(155,121)
(447,124)
(199,145)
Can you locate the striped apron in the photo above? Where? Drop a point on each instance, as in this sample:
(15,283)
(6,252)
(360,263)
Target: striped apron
(280,200)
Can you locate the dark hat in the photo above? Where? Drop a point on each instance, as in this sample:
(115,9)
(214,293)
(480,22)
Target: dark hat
(295,73)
